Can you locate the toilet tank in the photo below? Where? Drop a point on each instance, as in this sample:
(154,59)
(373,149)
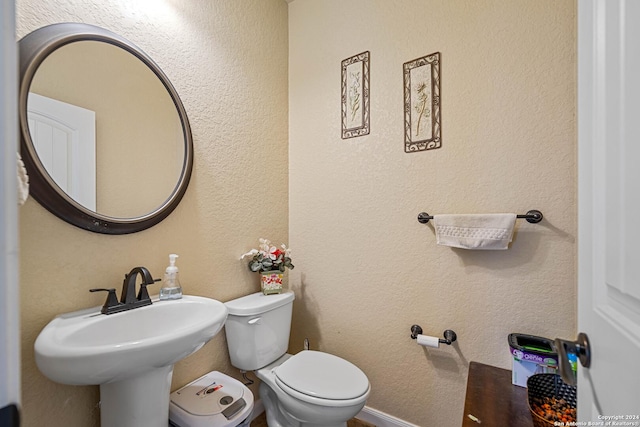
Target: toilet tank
(258,328)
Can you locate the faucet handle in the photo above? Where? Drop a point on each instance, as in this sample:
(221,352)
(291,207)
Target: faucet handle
(143,294)
(112,299)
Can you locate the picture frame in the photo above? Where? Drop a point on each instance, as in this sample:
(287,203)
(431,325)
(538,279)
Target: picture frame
(422,103)
(355,95)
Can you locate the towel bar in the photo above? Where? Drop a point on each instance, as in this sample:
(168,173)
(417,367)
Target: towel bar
(533,216)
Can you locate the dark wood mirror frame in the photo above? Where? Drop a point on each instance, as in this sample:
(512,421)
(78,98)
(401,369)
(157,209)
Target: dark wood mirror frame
(33,49)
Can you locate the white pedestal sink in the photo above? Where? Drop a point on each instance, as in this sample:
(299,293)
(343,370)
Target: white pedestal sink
(129,354)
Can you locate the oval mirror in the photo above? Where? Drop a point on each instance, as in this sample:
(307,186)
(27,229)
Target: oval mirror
(104,136)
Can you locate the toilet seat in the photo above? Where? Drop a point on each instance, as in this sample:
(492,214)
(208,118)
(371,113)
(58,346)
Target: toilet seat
(322,379)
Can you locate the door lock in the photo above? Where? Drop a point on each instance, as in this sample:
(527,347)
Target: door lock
(580,348)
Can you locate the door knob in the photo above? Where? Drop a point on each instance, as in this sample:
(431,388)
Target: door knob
(580,348)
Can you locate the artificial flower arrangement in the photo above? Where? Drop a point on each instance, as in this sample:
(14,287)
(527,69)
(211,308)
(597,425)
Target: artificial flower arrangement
(271,262)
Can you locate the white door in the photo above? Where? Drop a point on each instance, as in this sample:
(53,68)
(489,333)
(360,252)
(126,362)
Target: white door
(9,291)
(609,208)
(64,136)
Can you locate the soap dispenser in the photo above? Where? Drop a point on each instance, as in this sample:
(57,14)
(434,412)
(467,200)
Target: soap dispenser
(170,284)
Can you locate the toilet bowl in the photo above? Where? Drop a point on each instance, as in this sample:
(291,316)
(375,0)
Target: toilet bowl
(310,388)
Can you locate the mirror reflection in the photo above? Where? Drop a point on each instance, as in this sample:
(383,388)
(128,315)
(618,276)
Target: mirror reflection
(106,129)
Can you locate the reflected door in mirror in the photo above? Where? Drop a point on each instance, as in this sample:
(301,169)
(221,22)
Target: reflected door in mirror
(64,136)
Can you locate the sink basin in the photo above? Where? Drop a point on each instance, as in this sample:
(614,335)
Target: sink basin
(129,354)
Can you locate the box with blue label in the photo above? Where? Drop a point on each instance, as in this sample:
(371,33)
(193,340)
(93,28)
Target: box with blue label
(531,355)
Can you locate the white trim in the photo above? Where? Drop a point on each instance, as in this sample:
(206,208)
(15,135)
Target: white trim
(369,415)
(380,419)
(9,301)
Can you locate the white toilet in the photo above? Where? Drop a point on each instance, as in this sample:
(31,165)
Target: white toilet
(310,388)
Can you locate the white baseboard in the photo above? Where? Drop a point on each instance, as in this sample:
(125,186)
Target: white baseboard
(380,419)
(370,415)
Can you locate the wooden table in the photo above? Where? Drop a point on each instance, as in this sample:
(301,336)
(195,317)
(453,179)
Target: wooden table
(493,400)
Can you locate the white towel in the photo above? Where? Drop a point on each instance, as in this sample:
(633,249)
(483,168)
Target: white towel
(23,181)
(488,231)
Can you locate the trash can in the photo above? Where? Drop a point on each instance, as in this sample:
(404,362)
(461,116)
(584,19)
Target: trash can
(213,400)
(531,355)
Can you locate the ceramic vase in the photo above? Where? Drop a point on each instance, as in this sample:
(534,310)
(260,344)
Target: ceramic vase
(271,282)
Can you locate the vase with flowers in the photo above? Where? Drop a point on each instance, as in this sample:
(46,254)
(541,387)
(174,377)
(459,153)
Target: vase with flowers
(270,262)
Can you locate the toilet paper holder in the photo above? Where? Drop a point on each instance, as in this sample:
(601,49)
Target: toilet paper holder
(449,335)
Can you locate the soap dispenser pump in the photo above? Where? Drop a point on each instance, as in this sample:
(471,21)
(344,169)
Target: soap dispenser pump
(171,288)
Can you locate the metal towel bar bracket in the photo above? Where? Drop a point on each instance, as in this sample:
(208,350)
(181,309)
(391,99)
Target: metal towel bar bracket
(533,216)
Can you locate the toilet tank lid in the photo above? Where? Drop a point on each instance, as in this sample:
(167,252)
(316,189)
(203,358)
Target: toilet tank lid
(258,303)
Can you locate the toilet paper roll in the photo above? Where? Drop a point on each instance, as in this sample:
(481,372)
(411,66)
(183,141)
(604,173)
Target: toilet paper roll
(428,341)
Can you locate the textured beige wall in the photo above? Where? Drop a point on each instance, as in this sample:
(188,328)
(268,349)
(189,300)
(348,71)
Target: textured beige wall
(366,270)
(228,61)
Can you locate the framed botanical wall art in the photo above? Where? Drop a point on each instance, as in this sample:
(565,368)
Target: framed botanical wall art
(355,95)
(422,103)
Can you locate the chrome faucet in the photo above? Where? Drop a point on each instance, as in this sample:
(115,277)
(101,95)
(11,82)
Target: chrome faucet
(128,298)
